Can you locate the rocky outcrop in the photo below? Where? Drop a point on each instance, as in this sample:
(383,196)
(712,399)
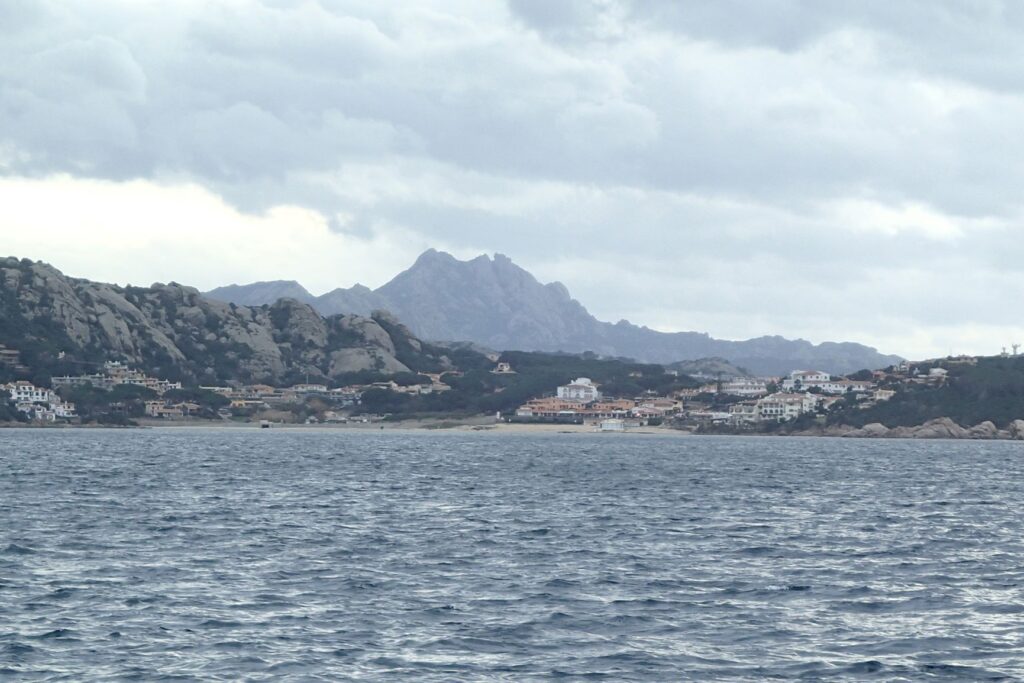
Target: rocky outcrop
(495,303)
(940,428)
(170,330)
(984,430)
(874,430)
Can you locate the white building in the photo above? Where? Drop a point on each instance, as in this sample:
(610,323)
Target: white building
(744,413)
(26,392)
(310,388)
(745,386)
(805,379)
(581,389)
(842,386)
(38,403)
(785,407)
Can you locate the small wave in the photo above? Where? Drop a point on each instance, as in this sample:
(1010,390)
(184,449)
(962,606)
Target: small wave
(220,623)
(58,633)
(15,549)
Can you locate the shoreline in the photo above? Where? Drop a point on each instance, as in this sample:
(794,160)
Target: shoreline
(486,424)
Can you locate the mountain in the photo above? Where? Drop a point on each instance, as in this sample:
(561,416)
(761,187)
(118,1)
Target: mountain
(63,325)
(497,304)
(259,293)
(708,367)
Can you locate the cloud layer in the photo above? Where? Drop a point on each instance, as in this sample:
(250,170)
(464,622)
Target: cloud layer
(819,169)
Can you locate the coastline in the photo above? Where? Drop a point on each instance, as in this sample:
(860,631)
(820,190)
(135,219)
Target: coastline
(469,425)
(939,429)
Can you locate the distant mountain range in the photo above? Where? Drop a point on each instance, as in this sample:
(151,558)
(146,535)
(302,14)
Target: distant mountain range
(497,304)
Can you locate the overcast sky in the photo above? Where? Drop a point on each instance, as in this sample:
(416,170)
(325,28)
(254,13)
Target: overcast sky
(827,170)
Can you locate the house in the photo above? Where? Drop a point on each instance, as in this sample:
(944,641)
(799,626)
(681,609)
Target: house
(805,379)
(114,374)
(842,386)
(883,394)
(580,389)
(158,409)
(39,403)
(503,369)
(612,425)
(745,387)
(243,403)
(549,407)
(784,407)
(744,413)
(26,392)
(665,406)
(309,389)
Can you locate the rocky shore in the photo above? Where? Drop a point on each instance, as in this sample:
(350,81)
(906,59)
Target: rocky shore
(940,428)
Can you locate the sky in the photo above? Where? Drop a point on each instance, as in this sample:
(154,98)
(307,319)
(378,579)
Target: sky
(817,169)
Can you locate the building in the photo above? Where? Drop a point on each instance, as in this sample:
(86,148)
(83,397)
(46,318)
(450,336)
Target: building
(842,386)
(785,407)
(114,374)
(580,389)
(805,379)
(26,392)
(552,407)
(503,369)
(38,403)
(747,387)
(612,425)
(744,413)
(170,411)
(883,394)
(309,389)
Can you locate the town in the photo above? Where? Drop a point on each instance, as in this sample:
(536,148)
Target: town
(740,403)
(736,403)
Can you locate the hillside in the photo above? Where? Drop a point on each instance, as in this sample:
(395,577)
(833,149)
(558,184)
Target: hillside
(63,325)
(992,390)
(709,367)
(497,304)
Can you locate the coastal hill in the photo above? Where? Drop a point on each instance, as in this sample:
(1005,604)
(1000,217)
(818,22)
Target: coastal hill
(69,326)
(495,303)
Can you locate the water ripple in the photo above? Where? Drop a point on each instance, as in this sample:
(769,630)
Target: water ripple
(334,555)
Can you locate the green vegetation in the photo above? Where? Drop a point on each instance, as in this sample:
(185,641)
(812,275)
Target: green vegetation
(9,412)
(479,390)
(991,390)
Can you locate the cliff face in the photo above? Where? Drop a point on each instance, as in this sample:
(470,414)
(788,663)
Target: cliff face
(173,331)
(497,304)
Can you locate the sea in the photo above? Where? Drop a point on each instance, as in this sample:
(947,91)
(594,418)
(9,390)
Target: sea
(343,555)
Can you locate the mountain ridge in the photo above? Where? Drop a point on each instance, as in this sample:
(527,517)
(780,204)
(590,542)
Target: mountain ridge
(497,304)
(61,324)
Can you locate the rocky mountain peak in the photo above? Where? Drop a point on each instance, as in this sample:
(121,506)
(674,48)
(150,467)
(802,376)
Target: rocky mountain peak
(493,302)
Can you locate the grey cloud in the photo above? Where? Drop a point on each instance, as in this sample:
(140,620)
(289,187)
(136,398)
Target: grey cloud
(698,138)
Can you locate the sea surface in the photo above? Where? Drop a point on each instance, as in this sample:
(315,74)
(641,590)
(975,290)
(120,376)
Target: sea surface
(306,555)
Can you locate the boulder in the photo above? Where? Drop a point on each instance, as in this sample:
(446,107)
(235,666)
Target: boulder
(1016,430)
(984,430)
(837,430)
(875,430)
(940,428)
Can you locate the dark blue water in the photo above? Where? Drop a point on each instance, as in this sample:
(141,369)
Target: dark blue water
(274,555)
